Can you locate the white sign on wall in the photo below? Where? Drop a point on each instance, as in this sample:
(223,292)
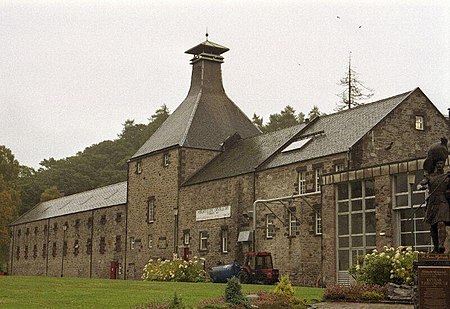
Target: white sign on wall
(213,213)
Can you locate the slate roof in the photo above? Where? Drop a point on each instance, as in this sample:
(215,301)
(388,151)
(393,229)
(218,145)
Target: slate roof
(331,134)
(111,195)
(341,130)
(207,47)
(245,155)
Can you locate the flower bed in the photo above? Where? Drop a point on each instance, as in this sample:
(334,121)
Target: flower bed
(177,270)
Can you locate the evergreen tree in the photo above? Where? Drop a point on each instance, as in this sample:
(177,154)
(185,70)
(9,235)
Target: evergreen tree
(314,112)
(50,194)
(258,122)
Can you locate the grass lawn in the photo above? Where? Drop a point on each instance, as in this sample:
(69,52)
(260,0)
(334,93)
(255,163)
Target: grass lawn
(48,292)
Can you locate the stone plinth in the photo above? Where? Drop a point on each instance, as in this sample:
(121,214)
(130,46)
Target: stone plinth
(433,281)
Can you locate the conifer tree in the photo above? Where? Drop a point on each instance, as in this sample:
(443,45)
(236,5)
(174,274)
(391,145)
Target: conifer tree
(355,92)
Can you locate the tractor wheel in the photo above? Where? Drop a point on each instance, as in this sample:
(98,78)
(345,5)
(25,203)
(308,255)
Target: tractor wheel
(243,277)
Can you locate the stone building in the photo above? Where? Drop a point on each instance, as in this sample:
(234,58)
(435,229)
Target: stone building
(209,183)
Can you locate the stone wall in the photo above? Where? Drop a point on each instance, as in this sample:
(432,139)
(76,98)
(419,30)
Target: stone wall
(297,254)
(157,183)
(236,192)
(395,138)
(69,245)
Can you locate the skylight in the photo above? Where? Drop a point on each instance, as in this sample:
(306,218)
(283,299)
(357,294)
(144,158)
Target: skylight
(297,144)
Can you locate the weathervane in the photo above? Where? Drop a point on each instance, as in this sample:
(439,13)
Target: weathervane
(207,33)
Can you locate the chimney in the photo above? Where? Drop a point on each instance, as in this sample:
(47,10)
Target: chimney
(206,67)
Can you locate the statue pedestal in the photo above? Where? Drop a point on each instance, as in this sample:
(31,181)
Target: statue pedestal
(432,281)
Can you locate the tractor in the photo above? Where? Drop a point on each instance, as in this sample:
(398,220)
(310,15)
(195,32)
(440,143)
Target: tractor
(258,268)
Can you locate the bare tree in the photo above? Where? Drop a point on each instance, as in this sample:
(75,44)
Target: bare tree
(355,92)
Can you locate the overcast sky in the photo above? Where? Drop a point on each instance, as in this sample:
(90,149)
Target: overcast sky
(72,72)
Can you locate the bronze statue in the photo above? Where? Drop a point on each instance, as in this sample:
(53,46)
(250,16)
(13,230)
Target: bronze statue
(437,213)
(437,152)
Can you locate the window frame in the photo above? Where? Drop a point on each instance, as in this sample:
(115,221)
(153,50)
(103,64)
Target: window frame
(270,228)
(203,241)
(166,160)
(420,123)
(302,182)
(317,174)
(293,223)
(138,167)
(186,238)
(318,221)
(151,209)
(150,241)
(224,240)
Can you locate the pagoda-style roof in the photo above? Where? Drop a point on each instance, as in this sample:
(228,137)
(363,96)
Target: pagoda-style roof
(207,47)
(207,117)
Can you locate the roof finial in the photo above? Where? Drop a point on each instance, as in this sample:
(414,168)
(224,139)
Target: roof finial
(207,33)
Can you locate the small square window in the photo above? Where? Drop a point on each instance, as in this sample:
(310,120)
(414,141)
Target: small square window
(420,123)
(203,241)
(44,250)
(35,251)
(89,246)
(269,225)
(318,223)
(118,217)
(151,209)
(166,161)
(293,224)
(118,244)
(317,175)
(76,247)
(301,182)
(339,167)
(102,245)
(224,241)
(65,248)
(186,238)
(138,167)
(150,241)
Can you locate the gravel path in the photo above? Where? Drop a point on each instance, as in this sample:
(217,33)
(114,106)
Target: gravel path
(347,305)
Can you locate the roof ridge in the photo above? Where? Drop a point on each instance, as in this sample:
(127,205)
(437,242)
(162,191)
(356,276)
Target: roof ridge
(369,103)
(191,117)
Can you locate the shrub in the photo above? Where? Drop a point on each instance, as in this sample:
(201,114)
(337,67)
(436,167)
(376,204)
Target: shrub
(268,300)
(360,292)
(390,265)
(176,303)
(175,270)
(284,287)
(233,293)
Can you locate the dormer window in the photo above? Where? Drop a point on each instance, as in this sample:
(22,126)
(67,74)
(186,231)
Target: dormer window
(420,123)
